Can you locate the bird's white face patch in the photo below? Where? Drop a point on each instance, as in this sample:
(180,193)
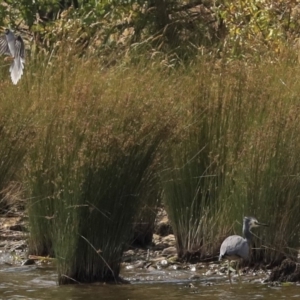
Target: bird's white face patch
(253,223)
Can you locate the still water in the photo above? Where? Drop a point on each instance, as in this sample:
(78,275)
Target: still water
(33,282)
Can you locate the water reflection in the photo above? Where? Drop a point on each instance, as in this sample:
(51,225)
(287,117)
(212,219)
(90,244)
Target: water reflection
(32,282)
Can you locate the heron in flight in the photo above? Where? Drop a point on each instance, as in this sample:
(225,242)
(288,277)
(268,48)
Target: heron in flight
(14,47)
(236,247)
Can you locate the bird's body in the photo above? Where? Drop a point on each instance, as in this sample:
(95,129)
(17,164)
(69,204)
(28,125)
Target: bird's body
(14,47)
(236,247)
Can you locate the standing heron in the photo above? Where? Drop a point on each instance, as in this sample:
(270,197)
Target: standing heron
(14,47)
(236,247)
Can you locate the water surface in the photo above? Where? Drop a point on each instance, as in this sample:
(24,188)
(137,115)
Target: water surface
(33,282)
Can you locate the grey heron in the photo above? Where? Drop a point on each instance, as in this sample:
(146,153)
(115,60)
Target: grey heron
(236,247)
(14,47)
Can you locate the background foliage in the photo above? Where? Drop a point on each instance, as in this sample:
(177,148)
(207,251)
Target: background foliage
(180,29)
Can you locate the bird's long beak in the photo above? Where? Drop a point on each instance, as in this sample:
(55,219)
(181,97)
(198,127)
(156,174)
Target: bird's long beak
(262,224)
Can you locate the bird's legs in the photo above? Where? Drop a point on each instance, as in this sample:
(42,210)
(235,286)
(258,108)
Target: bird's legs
(229,277)
(238,271)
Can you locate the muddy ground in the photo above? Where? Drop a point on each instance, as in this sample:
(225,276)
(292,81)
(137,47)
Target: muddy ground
(161,254)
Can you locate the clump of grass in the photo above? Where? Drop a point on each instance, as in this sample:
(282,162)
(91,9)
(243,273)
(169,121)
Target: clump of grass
(43,176)
(236,155)
(105,214)
(266,178)
(96,156)
(196,181)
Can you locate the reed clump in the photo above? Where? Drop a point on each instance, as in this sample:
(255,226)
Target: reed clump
(97,154)
(266,180)
(237,155)
(197,177)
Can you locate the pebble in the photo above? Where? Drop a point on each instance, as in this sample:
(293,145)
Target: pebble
(193,268)
(129,253)
(209,273)
(164,263)
(169,251)
(175,267)
(129,267)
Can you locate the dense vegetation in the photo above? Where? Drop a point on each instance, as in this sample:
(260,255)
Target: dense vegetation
(127,104)
(176,28)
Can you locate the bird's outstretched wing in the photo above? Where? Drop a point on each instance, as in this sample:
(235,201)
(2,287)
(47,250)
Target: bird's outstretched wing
(16,68)
(20,48)
(4,45)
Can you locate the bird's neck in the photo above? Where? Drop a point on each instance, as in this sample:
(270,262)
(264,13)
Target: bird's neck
(247,234)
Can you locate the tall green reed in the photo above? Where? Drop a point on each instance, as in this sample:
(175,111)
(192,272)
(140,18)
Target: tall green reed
(236,155)
(96,156)
(196,181)
(17,132)
(266,178)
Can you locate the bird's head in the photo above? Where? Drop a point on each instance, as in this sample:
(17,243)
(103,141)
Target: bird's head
(252,222)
